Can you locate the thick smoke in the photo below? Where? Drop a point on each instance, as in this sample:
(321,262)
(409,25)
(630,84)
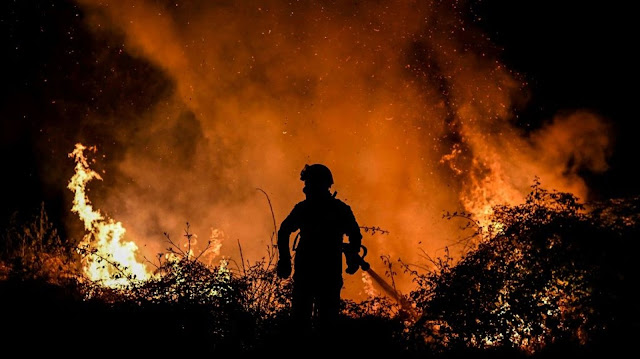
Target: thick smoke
(405,101)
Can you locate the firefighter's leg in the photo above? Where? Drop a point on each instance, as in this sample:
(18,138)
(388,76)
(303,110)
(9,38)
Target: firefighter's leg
(302,306)
(328,307)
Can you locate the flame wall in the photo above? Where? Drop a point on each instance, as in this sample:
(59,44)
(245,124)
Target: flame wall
(405,101)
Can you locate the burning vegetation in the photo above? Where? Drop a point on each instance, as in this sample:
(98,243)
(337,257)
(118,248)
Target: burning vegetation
(544,276)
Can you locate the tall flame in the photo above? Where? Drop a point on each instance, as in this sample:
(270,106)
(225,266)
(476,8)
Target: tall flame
(112,260)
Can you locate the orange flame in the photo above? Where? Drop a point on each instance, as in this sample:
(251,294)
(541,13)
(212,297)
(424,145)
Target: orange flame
(112,260)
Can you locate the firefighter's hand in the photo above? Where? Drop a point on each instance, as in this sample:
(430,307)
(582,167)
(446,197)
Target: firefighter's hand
(352,268)
(353,260)
(284,268)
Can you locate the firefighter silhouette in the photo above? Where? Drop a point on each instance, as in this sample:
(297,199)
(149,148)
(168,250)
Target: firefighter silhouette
(323,220)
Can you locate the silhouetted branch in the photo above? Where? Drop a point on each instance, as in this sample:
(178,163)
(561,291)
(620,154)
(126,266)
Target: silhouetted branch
(374,230)
(153,264)
(94,252)
(169,249)
(244,271)
(204,250)
(273,216)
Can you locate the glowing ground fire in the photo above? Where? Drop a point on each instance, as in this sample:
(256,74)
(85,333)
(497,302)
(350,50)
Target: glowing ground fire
(110,259)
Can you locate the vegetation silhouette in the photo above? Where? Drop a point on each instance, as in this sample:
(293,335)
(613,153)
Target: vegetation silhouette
(552,276)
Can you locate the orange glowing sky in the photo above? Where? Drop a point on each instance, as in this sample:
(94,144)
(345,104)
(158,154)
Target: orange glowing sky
(408,103)
(404,101)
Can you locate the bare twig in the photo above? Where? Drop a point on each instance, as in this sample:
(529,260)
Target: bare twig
(244,271)
(114,264)
(180,251)
(467,243)
(188,236)
(150,262)
(407,265)
(427,256)
(374,230)
(208,246)
(231,260)
(390,272)
(273,216)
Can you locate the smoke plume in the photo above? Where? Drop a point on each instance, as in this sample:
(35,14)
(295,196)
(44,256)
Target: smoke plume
(405,101)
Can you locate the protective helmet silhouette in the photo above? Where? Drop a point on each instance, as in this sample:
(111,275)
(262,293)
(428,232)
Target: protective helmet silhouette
(317,174)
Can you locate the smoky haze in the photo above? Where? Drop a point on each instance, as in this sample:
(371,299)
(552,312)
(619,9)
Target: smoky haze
(406,102)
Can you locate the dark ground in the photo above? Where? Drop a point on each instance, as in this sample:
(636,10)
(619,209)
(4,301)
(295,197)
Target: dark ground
(43,319)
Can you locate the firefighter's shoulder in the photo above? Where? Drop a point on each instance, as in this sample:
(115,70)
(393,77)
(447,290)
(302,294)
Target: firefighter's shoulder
(342,205)
(300,205)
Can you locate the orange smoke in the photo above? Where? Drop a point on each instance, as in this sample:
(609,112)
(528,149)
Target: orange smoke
(405,101)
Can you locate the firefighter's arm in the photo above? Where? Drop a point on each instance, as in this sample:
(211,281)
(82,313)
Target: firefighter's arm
(355,241)
(353,232)
(288,226)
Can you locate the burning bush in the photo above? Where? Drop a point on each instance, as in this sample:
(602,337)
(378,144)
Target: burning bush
(221,308)
(547,271)
(35,250)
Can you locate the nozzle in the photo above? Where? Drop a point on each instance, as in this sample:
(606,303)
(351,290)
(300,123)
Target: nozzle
(354,260)
(365,265)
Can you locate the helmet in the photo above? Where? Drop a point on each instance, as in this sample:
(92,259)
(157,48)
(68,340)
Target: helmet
(317,174)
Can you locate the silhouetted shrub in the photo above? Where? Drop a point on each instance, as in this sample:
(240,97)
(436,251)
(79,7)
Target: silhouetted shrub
(545,272)
(35,251)
(550,276)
